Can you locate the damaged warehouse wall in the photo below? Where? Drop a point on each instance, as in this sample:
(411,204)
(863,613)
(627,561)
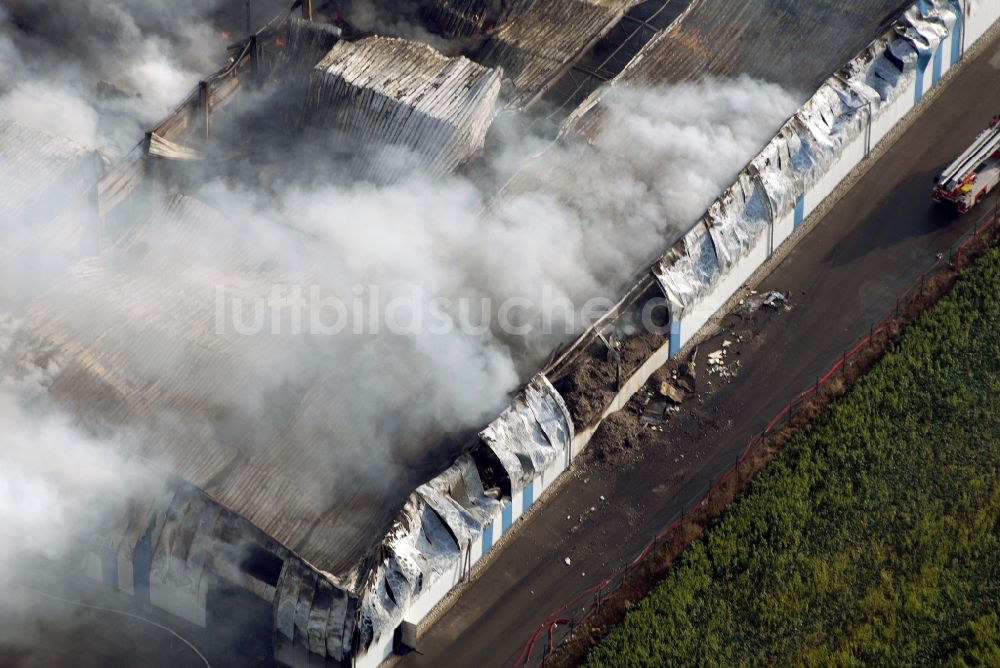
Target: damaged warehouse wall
(818,147)
(832,133)
(449,523)
(185,554)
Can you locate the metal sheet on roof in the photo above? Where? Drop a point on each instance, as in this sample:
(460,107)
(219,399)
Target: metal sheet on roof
(390,95)
(789,42)
(536,40)
(801,153)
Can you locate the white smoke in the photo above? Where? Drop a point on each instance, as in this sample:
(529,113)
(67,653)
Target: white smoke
(56,483)
(593,214)
(46,107)
(129,62)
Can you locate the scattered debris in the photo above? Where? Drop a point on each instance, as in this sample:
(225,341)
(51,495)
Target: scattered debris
(774,299)
(686,377)
(753,303)
(727,343)
(569,562)
(716,358)
(724,371)
(672,393)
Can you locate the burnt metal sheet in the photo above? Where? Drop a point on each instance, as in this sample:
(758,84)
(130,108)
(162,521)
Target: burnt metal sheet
(802,152)
(531,434)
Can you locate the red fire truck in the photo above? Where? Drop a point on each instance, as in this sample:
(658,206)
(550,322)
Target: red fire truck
(974,174)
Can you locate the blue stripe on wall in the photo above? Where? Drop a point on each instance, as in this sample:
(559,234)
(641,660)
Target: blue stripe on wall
(675,337)
(487,537)
(956,33)
(529,496)
(938,64)
(800,210)
(140,565)
(507,515)
(922,62)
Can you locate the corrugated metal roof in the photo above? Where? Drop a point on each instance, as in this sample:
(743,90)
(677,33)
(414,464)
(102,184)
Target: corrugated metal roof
(46,215)
(33,163)
(384,92)
(536,40)
(135,333)
(462,18)
(790,42)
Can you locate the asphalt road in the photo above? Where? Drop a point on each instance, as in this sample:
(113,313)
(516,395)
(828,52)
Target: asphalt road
(52,618)
(842,276)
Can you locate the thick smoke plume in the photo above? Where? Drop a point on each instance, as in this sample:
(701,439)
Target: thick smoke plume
(578,219)
(57,481)
(102,71)
(57,484)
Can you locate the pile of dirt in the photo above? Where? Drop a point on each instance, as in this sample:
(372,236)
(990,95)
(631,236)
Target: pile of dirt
(587,390)
(590,386)
(637,349)
(620,436)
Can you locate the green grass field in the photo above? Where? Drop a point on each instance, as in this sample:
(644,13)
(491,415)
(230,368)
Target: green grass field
(873,538)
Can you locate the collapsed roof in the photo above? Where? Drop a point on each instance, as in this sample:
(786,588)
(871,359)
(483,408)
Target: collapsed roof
(136,334)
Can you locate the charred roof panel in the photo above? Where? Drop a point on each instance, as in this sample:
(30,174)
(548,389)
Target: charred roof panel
(537,40)
(789,42)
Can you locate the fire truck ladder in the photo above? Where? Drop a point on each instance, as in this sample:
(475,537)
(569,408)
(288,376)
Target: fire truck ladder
(986,144)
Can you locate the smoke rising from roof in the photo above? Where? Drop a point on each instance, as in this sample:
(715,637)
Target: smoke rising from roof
(127,62)
(359,418)
(57,483)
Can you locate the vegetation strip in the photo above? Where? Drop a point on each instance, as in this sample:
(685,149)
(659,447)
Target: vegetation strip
(873,536)
(614,595)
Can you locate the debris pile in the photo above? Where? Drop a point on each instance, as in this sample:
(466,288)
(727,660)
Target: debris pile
(618,437)
(755,301)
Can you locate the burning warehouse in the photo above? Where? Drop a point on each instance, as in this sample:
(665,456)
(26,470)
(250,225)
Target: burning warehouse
(132,346)
(336,487)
